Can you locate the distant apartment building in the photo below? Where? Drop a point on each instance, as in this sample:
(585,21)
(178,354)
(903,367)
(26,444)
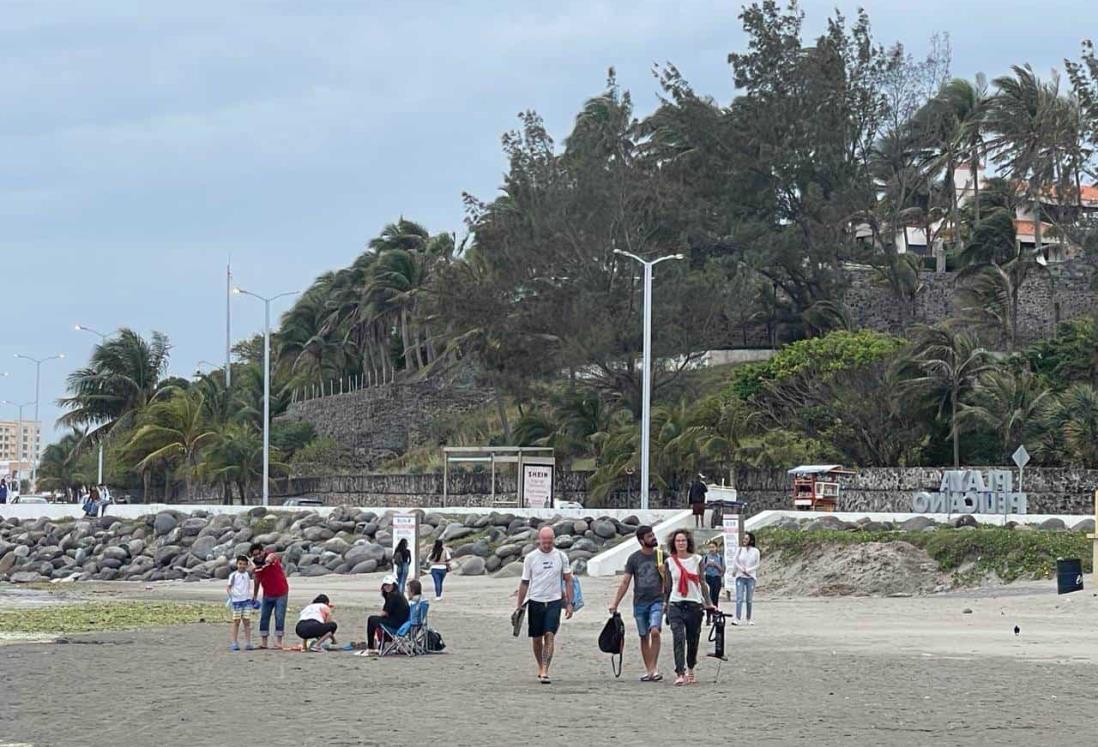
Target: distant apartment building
(19,442)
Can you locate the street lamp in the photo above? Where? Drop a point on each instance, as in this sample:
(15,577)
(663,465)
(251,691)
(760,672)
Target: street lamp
(37,389)
(103,338)
(266,384)
(646,375)
(20,452)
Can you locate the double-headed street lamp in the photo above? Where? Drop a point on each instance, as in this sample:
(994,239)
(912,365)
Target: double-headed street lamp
(37,397)
(646,375)
(102,338)
(266,384)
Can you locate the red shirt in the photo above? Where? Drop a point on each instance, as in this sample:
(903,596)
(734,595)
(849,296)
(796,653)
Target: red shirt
(271,577)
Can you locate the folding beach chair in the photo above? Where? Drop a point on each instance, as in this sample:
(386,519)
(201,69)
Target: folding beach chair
(410,638)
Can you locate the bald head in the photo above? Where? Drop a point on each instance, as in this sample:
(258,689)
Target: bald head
(545,538)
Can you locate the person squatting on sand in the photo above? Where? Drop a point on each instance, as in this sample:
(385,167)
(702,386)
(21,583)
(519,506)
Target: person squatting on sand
(686,596)
(645,567)
(746,570)
(545,571)
(239,589)
(315,622)
(270,577)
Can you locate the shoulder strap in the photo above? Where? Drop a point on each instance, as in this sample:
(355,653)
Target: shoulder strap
(661,564)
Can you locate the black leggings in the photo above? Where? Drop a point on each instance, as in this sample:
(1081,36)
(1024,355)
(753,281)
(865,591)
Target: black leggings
(309,629)
(685,619)
(714,589)
(373,622)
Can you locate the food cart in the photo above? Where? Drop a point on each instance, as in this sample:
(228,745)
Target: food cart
(816,486)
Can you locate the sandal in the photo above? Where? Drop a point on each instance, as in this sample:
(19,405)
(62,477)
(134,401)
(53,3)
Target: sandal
(657,677)
(544,679)
(690,679)
(680,680)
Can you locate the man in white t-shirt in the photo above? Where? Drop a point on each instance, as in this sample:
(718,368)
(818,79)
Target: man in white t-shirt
(546,583)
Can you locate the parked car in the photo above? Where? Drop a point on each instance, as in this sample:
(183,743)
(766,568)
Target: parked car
(37,499)
(303,502)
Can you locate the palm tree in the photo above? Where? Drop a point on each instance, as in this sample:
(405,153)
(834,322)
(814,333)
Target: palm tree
(1071,427)
(952,362)
(121,379)
(59,467)
(174,430)
(968,103)
(235,457)
(1009,403)
(1023,115)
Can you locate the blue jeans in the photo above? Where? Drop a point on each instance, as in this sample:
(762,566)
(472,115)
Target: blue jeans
(278,605)
(745,592)
(402,576)
(438,574)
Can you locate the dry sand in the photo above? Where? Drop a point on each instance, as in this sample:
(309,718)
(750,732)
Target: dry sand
(865,671)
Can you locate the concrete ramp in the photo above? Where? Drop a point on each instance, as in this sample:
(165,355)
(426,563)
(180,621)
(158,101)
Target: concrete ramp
(612,561)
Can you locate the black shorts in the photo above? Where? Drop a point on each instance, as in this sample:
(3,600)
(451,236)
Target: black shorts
(309,629)
(543,617)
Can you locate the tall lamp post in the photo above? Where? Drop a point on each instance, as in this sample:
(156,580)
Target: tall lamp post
(266,384)
(646,374)
(102,338)
(37,398)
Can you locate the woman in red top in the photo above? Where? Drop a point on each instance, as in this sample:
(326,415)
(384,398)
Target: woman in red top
(276,593)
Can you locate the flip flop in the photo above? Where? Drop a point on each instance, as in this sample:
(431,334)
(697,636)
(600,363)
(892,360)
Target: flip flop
(646,678)
(657,677)
(544,679)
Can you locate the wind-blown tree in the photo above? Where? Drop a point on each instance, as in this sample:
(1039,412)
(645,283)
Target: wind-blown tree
(995,266)
(1070,428)
(1009,404)
(951,362)
(59,467)
(174,431)
(234,457)
(121,379)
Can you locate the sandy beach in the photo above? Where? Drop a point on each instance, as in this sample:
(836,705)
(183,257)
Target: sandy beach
(869,671)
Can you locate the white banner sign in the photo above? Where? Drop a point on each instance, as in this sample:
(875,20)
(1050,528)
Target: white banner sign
(404,527)
(731,532)
(537,485)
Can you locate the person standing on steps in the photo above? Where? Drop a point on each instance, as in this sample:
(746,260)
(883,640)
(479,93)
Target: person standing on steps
(270,577)
(746,569)
(645,568)
(697,500)
(687,597)
(545,571)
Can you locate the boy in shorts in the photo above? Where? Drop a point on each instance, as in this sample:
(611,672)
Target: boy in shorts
(239,590)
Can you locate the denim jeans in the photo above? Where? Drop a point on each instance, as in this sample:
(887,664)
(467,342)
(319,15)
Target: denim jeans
(402,576)
(745,592)
(278,606)
(438,574)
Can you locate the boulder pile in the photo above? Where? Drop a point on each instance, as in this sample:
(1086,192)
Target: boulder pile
(925,523)
(173,545)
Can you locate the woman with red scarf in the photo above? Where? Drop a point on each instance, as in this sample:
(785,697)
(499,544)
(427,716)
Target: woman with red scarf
(686,598)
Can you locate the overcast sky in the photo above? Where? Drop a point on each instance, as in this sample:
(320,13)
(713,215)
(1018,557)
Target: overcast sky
(142,143)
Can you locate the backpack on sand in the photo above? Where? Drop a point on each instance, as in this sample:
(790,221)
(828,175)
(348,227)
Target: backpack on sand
(612,641)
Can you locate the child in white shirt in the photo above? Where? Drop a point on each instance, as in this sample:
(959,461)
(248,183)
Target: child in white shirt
(239,590)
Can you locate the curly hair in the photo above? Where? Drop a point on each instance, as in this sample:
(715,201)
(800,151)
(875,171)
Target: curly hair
(674,535)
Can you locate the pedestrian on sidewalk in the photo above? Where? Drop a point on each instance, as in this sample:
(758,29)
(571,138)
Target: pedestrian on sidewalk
(687,598)
(645,568)
(545,571)
(746,569)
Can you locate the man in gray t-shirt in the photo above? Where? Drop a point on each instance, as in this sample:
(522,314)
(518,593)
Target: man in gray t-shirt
(644,567)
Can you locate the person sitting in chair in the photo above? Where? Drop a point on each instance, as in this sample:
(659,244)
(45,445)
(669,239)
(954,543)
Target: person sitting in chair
(394,613)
